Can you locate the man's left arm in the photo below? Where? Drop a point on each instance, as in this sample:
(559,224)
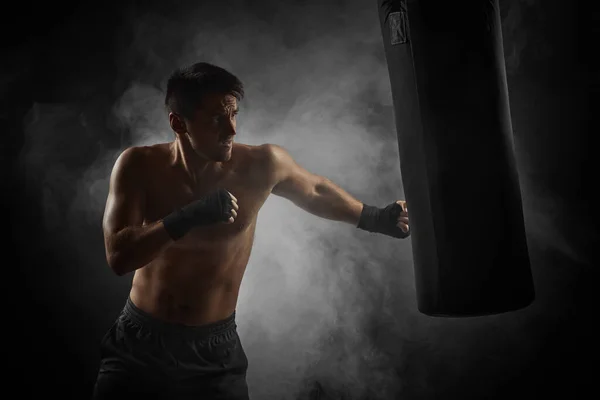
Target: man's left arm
(323,198)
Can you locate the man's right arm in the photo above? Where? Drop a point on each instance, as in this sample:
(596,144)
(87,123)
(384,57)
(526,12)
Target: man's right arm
(129,244)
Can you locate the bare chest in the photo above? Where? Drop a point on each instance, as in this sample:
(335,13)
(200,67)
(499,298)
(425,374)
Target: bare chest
(171,192)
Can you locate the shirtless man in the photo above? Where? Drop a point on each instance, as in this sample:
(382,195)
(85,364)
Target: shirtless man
(182,216)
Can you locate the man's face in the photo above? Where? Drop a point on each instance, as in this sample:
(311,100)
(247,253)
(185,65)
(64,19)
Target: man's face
(212,127)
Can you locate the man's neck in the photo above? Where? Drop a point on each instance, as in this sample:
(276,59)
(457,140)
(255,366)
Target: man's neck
(196,166)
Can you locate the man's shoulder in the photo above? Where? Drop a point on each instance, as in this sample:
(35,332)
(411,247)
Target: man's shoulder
(269,155)
(268,152)
(251,153)
(138,154)
(276,162)
(138,158)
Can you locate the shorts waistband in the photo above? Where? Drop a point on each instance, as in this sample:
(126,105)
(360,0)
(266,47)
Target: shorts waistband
(141,317)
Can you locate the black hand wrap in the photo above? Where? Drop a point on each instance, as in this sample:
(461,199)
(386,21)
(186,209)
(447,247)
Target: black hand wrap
(382,220)
(212,208)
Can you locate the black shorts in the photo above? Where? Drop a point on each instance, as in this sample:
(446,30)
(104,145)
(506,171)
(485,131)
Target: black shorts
(142,357)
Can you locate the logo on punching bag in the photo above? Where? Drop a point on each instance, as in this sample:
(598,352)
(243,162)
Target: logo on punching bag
(398,31)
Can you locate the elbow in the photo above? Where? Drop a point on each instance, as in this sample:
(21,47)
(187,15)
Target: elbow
(116,263)
(319,189)
(321,185)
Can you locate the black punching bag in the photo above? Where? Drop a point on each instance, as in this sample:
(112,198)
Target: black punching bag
(448,78)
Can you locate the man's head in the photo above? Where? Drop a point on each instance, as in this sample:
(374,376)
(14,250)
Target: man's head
(202,103)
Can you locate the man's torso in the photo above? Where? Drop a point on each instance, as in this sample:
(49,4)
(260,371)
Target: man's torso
(196,280)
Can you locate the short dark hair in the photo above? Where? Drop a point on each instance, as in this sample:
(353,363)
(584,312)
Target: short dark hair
(187,87)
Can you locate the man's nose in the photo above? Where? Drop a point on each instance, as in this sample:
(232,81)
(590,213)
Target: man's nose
(228,127)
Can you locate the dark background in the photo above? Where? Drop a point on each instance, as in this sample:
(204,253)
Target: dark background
(67,53)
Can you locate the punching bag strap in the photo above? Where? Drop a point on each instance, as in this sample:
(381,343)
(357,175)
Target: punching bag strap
(397,21)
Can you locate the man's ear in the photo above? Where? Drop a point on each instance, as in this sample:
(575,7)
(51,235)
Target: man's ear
(177,123)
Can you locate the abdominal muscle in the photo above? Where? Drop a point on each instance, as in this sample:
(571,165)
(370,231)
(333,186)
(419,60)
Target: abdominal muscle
(196,280)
